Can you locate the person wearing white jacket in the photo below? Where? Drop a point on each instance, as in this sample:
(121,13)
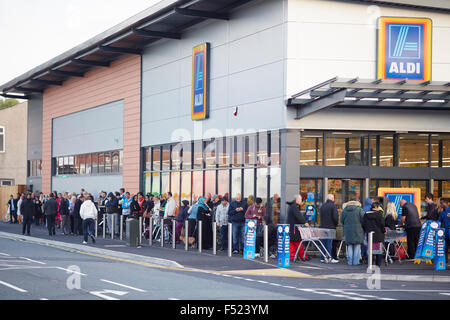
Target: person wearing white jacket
(171,207)
(88,212)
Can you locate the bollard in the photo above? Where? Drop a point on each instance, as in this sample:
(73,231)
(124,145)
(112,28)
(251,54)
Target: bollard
(140,231)
(121,227)
(214,230)
(370,249)
(161,228)
(104,226)
(266,243)
(230,239)
(112,226)
(174,238)
(96,227)
(150,232)
(200,226)
(186,235)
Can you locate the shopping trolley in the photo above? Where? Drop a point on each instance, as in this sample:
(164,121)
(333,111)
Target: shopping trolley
(398,239)
(314,236)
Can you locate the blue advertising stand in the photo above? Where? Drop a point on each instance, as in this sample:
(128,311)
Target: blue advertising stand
(283,255)
(429,241)
(310,213)
(439,251)
(250,239)
(423,234)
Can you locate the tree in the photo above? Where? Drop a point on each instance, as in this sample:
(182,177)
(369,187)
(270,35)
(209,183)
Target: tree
(8,103)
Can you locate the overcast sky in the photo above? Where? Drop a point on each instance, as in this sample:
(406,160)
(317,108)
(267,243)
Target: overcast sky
(35,31)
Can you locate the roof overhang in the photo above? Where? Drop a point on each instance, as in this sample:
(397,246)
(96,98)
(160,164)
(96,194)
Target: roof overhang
(378,94)
(167,19)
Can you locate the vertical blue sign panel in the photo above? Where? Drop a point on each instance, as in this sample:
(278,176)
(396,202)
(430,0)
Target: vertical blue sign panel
(250,239)
(283,255)
(439,253)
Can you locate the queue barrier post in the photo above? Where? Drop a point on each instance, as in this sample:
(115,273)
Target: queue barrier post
(150,233)
(266,243)
(174,226)
(230,239)
(104,225)
(186,235)
(370,249)
(214,230)
(121,227)
(200,234)
(140,230)
(161,227)
(112,226)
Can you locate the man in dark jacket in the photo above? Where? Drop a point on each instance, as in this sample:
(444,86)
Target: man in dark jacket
(51,210)
(294,217)
(329,219)
(373,221)
(236,215)
(64,212)
(432,213)
(77,221)
(27,211)
(12,210)
(411,220)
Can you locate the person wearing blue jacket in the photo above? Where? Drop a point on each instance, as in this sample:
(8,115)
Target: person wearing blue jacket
(444,219)
(236,215)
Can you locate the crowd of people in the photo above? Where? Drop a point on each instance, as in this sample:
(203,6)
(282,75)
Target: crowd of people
(75,214)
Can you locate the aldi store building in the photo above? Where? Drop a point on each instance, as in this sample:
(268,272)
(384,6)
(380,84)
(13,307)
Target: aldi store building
(263,98)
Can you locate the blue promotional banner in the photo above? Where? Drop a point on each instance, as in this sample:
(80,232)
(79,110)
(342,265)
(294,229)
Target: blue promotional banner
(428,243)
(423,233)
(200,82)
(310,197)
(250,239)
(439,251)
(283,255)
(310,213)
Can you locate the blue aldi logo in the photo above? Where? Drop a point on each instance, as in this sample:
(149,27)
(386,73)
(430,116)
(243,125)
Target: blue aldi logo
(404,48)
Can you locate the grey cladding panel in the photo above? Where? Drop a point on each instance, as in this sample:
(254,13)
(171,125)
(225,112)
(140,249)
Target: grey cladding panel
(93,130)
(34,130)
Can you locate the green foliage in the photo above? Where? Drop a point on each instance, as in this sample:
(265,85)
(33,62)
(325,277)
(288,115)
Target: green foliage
(8,103)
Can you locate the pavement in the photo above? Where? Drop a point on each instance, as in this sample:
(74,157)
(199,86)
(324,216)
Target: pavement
(178,258)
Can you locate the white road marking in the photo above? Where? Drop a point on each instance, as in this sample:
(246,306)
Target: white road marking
(70,271)
(13,287)
(31,260)
(173,299)
(445,294)
(43,299)
(102,295)
(123,285)
(4,254)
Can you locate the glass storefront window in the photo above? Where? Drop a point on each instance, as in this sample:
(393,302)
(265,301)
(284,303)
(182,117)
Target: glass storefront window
(148,165)
(210,154)
(261,184)
(311,191)
(94,163)
(210,182)
(87,160)
(223,146)
(275,148)
(413,150)
(187,156)
(375,184)
(422,184)
(147,183)
(250,150)
(82,164)
(108,163)
(115,161)
(335,149)
(166,158)
(176,156)
(311,144)
(165,182)
(346,149)
(249,184)
(345,190)
(198,155)
(175,185)
(238,149)
(186,186)
(101,163)
(440,150)
(156,182)
(236,178)
(275,192)
(156,158)
(262,154)
(197,185)
(223,182)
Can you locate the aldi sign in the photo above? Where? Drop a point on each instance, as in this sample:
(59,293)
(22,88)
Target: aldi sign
(200,82)
(404,48)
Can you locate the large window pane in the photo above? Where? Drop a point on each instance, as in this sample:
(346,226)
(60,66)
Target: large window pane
(165,182)
(121,161)
(198,155)
(210,182)
(187,155)
(236,178)
(223,182)
(311,191)
(108,163)
(186,186)
(422,184)
(238,149)
(250,150)
(147,183)
(148,156)
(261,183)
(375,184)
(101,163)
(166,158)
(156,180)
(223,150)
(440,150)
(346,148)
(210,154)
(115,161)
(413,150)
(311,144)
(275,192)
(71,165)
(156,159)
(197,185)
(175,185)
(262,151)
(335,149)
(87,160)
(176,156)
(345,190)
(384,146)
(249,183)
(94,163)
(82,164)
(275,148)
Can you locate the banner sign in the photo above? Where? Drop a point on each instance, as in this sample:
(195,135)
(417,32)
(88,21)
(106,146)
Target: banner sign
(310,213)
(250,239)
(404,48)
(395,195)
(283,255)
(200,82)
(439,251)
(423,233)
(428,244)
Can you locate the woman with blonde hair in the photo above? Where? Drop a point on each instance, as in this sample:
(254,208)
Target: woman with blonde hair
(391,218)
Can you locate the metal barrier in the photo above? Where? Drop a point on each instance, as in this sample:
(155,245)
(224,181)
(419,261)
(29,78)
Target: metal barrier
(398,239)
(230,239)
(104,225)
(214,230)
(314,236)
(112,226)
(370,249)
(161,229)
(121,227)
(200,226)
(96,227)
(266,243)
(174,226)
(150,232)
(186,235)
(140,230)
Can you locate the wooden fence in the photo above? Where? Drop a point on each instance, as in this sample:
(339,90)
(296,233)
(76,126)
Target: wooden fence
(5,194)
